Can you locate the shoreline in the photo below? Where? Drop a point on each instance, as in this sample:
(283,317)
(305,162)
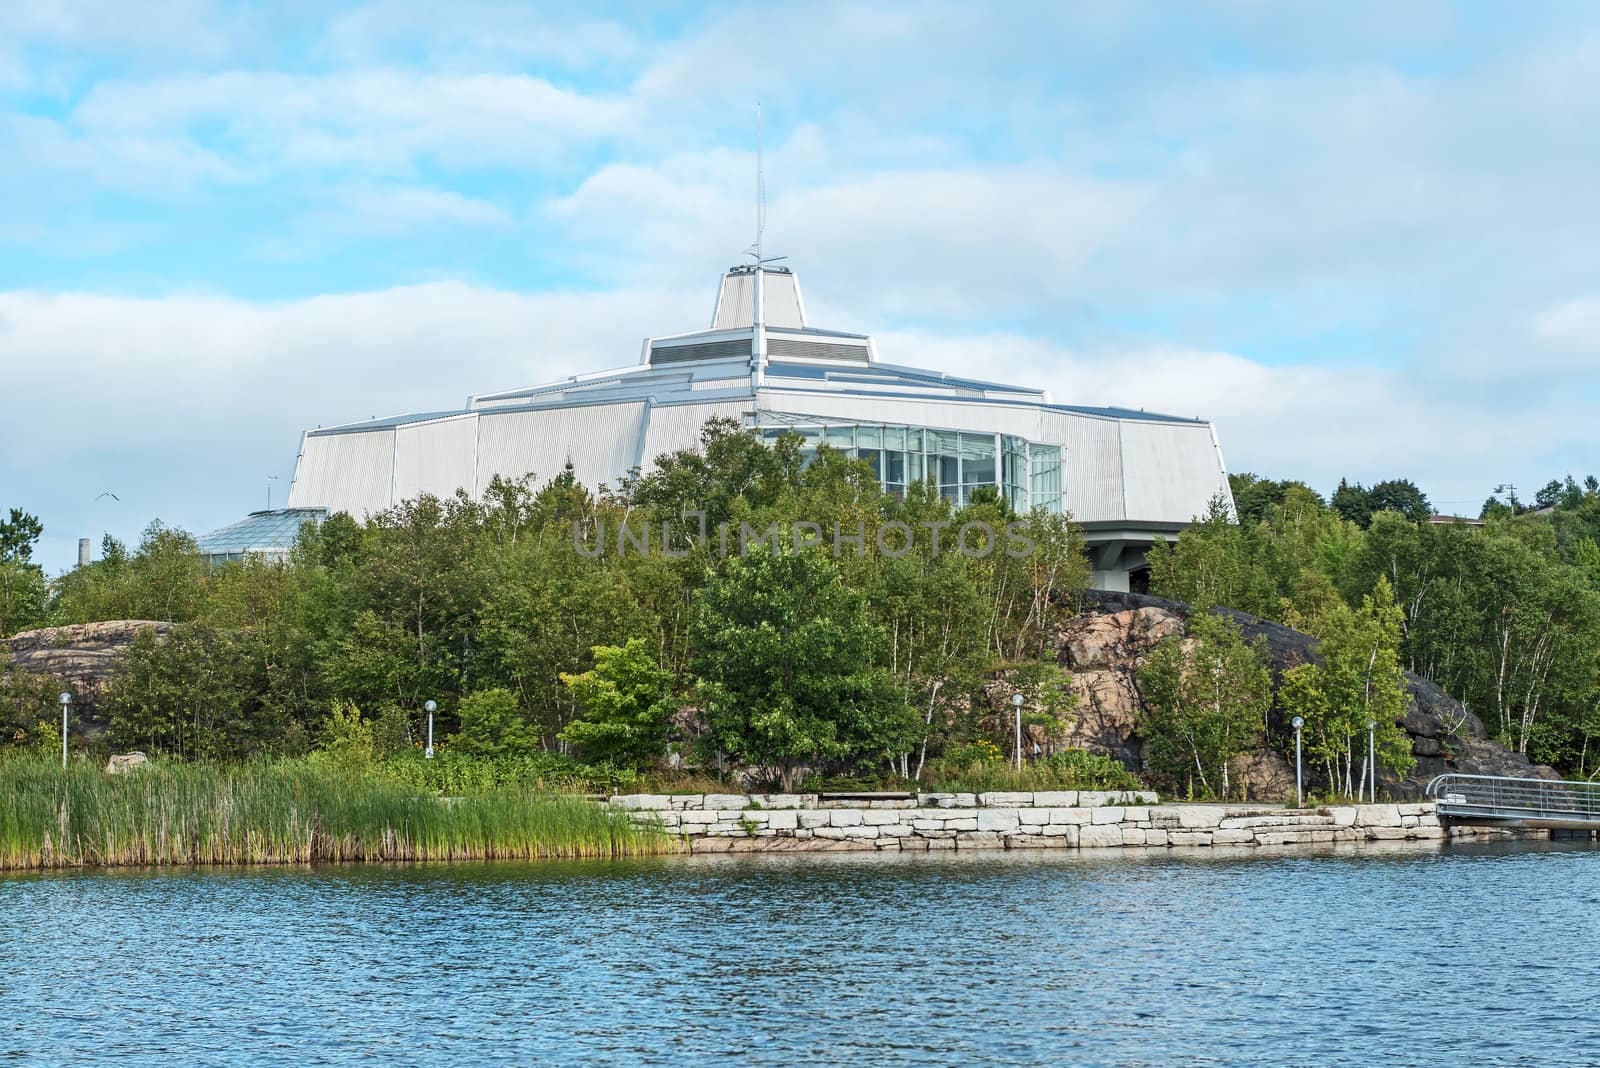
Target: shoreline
(654,825)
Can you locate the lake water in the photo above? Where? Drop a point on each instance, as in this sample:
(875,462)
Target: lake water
(1469,955)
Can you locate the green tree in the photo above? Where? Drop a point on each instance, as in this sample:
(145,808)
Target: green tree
(787,667)
(1357,680)
(197,694)
(347,737)
(163,579)
(731,472)
(19,533)
(373,662)
(627,705)
(23,596)
(1353,503)
(1587,560)
(1205,700)
(545,611)
(1254,497)
(27,707)
(1358,504)
(935,648)
(23,590)
(1400,495)
(1212,566)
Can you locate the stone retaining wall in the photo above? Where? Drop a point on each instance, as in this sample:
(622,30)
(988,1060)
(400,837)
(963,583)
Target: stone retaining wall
(951,822)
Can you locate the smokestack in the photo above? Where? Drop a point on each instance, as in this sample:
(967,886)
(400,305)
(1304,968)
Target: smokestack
(83,552)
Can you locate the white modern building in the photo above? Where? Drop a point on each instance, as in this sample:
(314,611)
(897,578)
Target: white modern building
(1128,477)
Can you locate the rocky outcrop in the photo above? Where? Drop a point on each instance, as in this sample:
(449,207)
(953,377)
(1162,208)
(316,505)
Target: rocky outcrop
(1262,775)
(1104,645)
(1117,636)
(1103,652)
(84,657)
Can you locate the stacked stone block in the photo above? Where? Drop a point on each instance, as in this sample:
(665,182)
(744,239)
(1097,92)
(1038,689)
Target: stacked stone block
(1040,820)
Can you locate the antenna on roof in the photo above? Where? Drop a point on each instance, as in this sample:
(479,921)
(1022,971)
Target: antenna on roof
(761,188)
(754,251)
(758,332)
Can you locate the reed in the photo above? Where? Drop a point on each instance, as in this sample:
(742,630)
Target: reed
(285,812)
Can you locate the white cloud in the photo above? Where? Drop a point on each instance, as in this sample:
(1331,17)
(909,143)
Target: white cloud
(965,243)
(184,404)
(155,166)
(1572,327)
(382,121)
(401,209)
(478,34)
(196,27)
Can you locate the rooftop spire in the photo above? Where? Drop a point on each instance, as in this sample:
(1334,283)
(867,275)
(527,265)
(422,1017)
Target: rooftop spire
(757,260)
(761,189)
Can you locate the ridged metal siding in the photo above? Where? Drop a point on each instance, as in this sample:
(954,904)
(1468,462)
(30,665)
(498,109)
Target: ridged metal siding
(705,384)
(1092,476)
(345,472)
(1170,471)
(436,458)
(736,301)
(677,426)
(601,440)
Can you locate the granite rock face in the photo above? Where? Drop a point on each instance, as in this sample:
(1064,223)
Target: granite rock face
(1103,652)
(1262,775)
(1445,737)
(1121,636)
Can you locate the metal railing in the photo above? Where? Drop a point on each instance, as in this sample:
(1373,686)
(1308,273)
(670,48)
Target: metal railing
(1495,797)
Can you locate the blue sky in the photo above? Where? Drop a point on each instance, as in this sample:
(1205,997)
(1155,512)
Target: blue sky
(1360,237)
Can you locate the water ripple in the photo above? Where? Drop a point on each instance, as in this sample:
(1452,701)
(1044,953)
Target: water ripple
(1482,954)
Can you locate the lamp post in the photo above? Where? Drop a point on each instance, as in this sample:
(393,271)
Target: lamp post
(1372,761)
(1299,792)
(1016,706)
(430,707)
(66,702)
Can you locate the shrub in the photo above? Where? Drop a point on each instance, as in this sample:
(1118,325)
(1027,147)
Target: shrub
(492,725)
(627,704)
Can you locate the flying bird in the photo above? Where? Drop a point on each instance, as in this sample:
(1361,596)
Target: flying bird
(113,496)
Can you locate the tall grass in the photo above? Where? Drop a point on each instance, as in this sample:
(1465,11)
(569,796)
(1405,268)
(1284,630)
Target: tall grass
(283,812)
(1069,770)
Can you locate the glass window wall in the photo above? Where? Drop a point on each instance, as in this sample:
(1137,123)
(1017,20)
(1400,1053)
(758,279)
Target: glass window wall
(1044,483)
(958,462)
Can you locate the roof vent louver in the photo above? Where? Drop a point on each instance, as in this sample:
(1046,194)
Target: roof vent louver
(704,350)
(816,350)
